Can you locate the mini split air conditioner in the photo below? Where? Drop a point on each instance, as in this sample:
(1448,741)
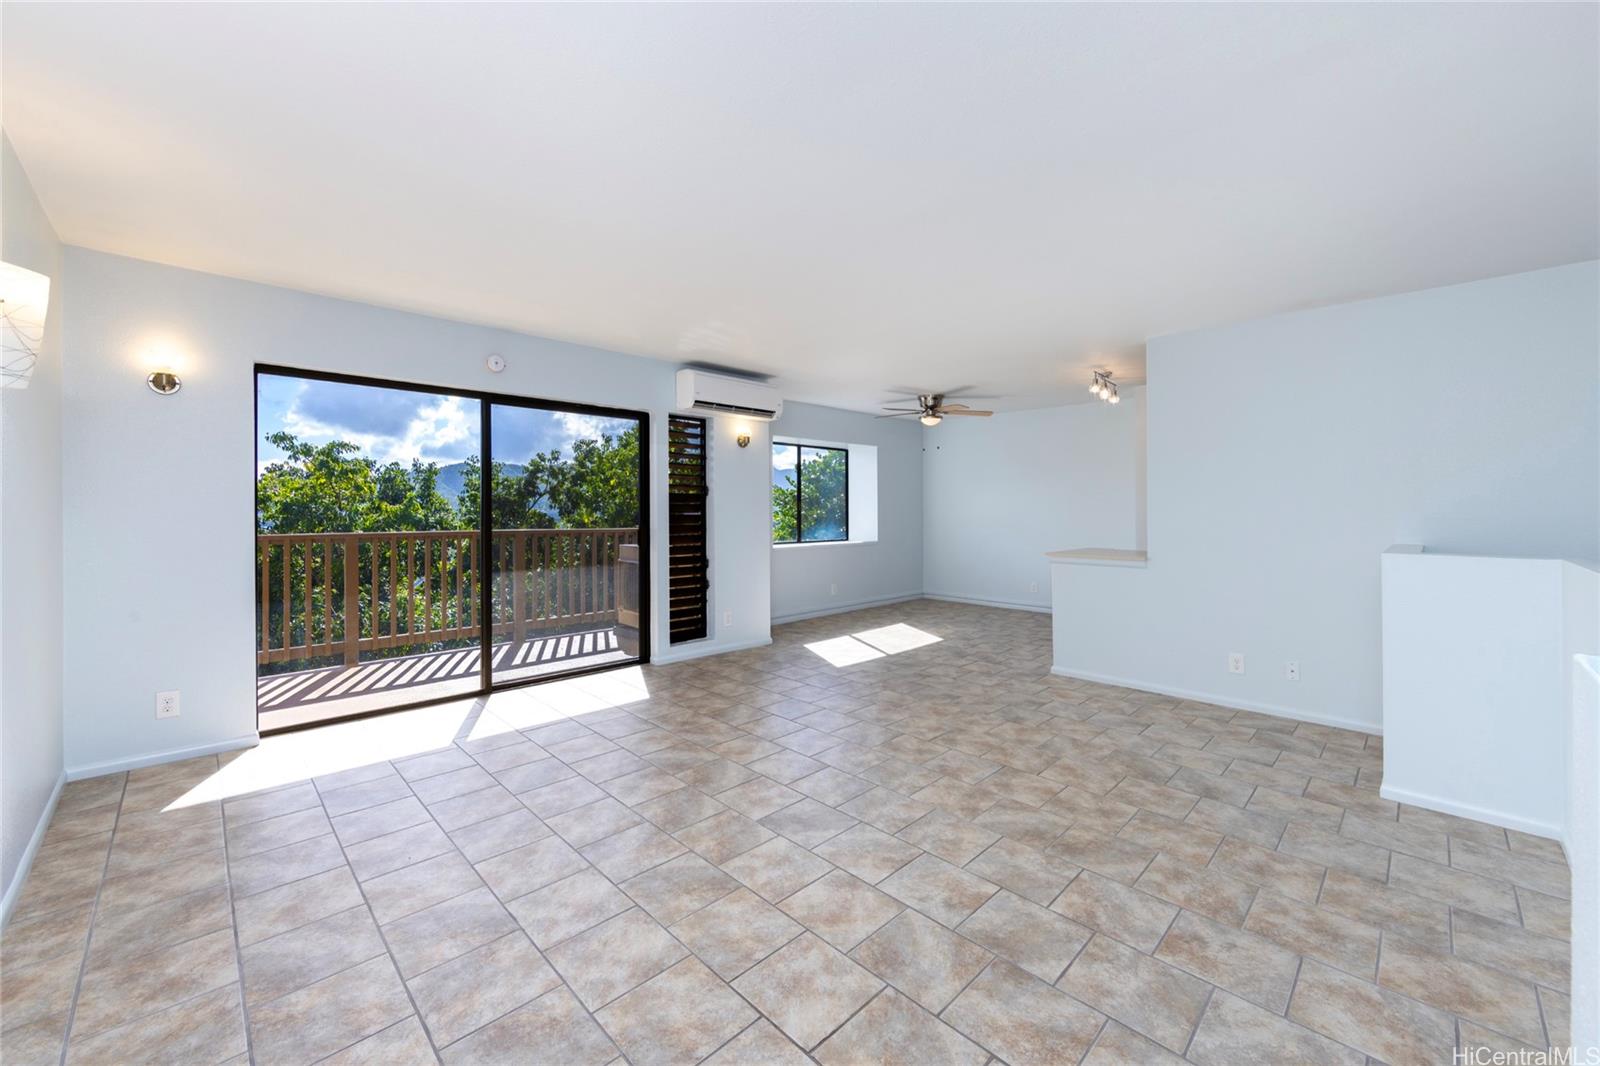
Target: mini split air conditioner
(716,394)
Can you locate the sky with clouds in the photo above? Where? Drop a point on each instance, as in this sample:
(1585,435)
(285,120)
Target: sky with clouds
(397,425)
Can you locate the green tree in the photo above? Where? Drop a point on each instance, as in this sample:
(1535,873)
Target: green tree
(811,500)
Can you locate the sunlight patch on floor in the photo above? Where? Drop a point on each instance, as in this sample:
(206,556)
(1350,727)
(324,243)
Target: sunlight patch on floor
(871,644)
(287,758)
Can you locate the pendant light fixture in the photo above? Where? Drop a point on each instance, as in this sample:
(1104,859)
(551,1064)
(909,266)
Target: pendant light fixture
(1103,387)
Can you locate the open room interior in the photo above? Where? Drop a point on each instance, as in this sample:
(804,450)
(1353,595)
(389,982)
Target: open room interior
(906,534)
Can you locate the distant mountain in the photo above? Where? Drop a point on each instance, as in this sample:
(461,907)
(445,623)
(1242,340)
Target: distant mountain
(451,477)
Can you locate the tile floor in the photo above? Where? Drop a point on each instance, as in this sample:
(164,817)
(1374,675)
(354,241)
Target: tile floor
(864,850)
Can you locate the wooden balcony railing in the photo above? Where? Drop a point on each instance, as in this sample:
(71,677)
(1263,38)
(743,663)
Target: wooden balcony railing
(342,594)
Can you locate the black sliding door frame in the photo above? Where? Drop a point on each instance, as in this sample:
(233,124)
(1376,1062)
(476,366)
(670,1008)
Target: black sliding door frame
(485,598)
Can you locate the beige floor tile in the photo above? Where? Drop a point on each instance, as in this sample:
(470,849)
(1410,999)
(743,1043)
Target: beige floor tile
(808,823)
(39,991)
(594,821)
(397,850)
(952,839)
(376,821)
(841,909)
(1557,1009)
(1264,868)
(437,934)
(470,808)
(1040,941)
(290,906)
(1120,1046)
(1335,852)
(1145,994)
(602,963)
(1316,933)
(680,809)
(807,989)
(1396,911)
(1545,915)
(206,1029)
(466,993)
(1250,966)
(682,1015)
(1120,860)
(1023,1020)
(364,794)
(678,887)
(332,1014)
(1201,889)
(1382,1023)
(922,959)
(1234,1031)
(522,870)
(777,868)
(867,852)
(1458,888)
(1031,874)
(1541,959)
(1185,842)
(891,1028)
(405,1043)
(207,869)
(761,1044)
(723,836)
(37,1042)
(886,809)
(248,838)
(1263,830)
(632,851)
(46,937)
(736,932)
(116,993)
(944,892)
(1474,991)
(567,907)
(290,961)
(1022,823)
(499,834)
(1552,879)
(1127,914)
(549,797)
(555,1023)
(394,895)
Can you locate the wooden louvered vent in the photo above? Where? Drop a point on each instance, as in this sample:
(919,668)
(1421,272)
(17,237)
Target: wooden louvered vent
(687,519)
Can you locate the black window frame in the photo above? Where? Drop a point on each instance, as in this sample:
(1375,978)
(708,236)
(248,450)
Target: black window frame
(799,492)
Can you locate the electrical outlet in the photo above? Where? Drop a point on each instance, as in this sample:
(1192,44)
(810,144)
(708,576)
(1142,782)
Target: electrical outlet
(167,704)
(727,618)
(1236,662)
(833,588)
(1034,588)
(1291,670)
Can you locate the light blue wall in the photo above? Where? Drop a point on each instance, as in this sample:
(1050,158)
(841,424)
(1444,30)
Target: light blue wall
(30,543)
(804,576)
(159,500)
(1285,454)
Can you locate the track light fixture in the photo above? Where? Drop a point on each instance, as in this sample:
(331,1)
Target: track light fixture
(1103,387)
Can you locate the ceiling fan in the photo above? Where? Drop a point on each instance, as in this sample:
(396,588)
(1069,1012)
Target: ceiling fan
(931,410)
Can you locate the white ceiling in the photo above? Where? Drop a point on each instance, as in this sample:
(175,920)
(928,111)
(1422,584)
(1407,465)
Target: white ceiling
(849,197)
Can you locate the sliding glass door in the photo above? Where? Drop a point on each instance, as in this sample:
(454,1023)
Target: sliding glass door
(382,549)
(565,522)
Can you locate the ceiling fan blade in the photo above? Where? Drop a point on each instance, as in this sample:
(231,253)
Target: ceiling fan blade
(954,407)
(972,414)
(899,414)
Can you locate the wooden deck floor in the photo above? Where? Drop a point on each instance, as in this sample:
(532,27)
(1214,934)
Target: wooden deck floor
(335,691)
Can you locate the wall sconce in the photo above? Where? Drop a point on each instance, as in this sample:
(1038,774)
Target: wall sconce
(743,439)
(163,382)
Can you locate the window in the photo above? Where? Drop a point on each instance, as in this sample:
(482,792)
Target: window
(810,494)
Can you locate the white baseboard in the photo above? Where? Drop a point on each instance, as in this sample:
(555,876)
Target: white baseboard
(1233,703)
(1477,814)
(25,864)
(1036,608)
(701,650)
(841,608)
(116,766)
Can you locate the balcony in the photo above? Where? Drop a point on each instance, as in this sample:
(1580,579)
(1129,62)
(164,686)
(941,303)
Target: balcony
(355,622)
